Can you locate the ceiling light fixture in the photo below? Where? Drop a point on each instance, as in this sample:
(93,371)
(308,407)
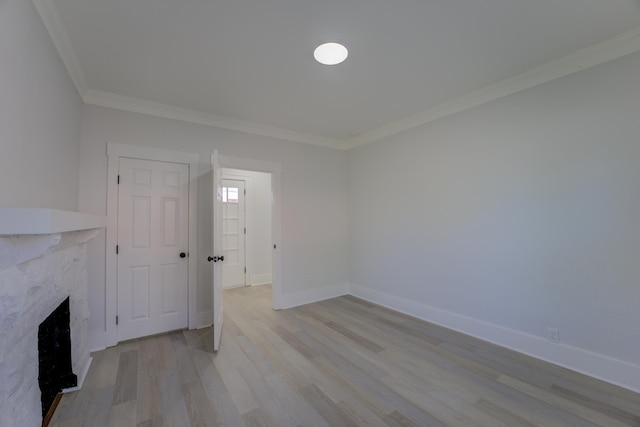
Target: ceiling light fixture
(330,53)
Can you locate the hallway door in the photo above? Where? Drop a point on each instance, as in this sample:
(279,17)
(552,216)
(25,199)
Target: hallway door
(218,257)
(153,224)
(234,233)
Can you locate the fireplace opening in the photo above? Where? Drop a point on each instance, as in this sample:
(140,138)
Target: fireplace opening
(54,355)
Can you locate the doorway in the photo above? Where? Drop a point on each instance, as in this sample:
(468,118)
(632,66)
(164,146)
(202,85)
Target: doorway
(153,239)
(217,163)
(151,242)
(255,227)
(234,231)
(232,166)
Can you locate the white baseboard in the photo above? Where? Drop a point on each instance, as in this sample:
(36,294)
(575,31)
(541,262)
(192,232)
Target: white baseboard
(205,319)
(81,378)
(260,284)
(605,368)
(314,295)
(261,279)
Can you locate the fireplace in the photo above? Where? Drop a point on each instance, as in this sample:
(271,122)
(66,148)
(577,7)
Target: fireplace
(43,259)
(54,355)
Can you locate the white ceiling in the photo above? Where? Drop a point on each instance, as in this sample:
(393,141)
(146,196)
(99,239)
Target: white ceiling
(249,63)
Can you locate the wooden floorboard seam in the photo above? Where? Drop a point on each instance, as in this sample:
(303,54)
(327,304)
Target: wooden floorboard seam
(339,362)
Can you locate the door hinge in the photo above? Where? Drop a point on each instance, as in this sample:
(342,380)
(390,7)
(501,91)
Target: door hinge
(117,249)
(245,192)
(245,270)
(117,320)
(118,179)
(245,230)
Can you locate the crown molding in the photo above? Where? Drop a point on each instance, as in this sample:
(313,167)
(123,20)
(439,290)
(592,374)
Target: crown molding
(591,56)
(53,23)
(608,50)
(136,105)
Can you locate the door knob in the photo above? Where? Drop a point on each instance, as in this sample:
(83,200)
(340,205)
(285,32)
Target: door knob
(182,255)
(215,258)
(221,258)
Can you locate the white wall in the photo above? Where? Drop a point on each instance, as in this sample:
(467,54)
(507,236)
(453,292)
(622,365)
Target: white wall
(314,199)
(499,221)
(39,115)
(512,217)
(258,220)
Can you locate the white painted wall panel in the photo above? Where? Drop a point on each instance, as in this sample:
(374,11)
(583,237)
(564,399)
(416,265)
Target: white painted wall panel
(140,293)
(522,213)
(40,114)
(170,291)
(261,227)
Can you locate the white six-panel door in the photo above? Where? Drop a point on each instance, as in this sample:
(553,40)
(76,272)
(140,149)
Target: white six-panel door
(233,233)
(218,257)
(152,247)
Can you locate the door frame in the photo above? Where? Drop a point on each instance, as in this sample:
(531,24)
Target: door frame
(247,215)
(114,153)
(274,169)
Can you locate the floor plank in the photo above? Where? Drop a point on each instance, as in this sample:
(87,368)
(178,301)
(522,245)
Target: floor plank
(339,362)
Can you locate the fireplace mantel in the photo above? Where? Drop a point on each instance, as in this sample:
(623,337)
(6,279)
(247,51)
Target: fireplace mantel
(14,221)
(43,261)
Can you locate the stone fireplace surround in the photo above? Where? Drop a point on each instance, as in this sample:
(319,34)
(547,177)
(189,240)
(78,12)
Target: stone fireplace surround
(42,262)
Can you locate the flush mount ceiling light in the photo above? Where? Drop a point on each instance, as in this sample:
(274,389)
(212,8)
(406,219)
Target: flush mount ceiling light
(330,53)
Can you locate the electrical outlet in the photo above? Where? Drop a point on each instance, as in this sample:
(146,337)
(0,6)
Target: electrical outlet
(553,335)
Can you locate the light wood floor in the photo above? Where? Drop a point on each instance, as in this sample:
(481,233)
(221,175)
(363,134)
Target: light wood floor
(338,362)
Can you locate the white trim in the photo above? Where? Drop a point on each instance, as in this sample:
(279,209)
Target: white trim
(274,169)
(614,371)
(597,54)
(136,105)
(247,220)
(53,23)
(81,378)
(114,152)
(15,221)
(314,295)
(205,319)
(260,279)
(148,153)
